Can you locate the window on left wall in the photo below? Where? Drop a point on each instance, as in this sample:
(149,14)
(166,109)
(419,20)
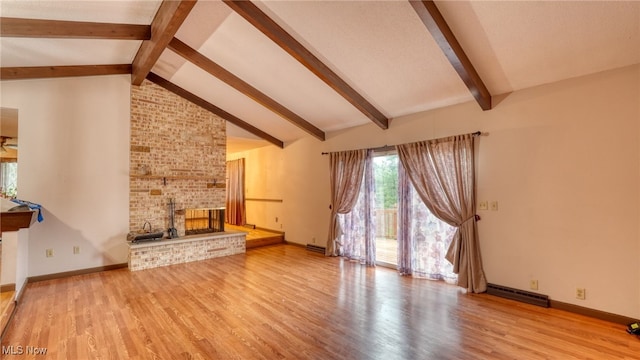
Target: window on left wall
(8,152)
(9,179)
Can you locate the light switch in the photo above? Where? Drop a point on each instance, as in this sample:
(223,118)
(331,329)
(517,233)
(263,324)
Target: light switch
(484,205)
(494,206)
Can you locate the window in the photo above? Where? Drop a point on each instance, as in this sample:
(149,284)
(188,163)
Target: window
(9,179)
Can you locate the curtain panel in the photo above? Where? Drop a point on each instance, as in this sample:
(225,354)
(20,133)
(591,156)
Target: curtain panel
(442,172)
(405,214)
(423,239)
(357,241)
(235,211)
(346,170)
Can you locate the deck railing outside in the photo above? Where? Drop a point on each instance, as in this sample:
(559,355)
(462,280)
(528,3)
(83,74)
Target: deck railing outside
(387,223)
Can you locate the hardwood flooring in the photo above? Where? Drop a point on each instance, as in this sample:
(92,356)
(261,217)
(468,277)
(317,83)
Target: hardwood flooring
(7,305)
(282,302)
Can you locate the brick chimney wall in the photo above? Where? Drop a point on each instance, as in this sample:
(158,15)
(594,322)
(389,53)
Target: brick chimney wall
(178,150)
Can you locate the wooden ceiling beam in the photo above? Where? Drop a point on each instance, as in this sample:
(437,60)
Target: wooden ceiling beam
(230,79)
(166,84)
(432,18)
(37,28)
(250,12)
(166,23)
(38,72)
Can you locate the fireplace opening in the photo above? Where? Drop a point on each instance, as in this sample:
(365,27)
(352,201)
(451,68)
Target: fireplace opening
(203,221)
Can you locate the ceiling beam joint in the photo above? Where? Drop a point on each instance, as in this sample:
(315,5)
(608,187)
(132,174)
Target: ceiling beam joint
(166,23)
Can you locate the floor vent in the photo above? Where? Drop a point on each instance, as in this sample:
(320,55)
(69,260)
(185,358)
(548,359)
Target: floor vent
(519,295)
(315,248)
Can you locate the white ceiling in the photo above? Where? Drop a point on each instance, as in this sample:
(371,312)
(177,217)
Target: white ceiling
(380,48)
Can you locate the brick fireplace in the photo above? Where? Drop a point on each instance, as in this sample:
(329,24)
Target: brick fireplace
(178,151)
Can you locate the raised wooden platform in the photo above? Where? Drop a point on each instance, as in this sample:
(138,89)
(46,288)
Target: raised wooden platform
(258,237)
(7,306)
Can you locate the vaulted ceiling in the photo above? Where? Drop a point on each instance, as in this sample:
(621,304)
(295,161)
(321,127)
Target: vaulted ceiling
(281,70)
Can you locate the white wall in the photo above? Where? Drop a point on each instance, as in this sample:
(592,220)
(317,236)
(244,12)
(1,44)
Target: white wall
(15,258)
(22,259)
(74,161)
(563,162)
(8,264)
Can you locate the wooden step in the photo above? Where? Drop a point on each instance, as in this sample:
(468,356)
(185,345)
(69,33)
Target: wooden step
(264,241)
(257,236)
(7,306)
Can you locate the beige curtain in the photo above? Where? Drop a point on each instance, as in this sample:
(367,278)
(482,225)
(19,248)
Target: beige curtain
(346,173)
(235,212)
(442,172)
(358,240)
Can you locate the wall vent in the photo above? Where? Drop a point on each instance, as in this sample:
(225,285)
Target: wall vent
(518,295)
(316,248)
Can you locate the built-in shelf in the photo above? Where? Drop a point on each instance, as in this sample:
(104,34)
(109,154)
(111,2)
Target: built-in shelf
(215,183)
(177,177)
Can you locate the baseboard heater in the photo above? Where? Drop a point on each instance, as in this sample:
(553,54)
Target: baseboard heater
(518,295)
(316,248)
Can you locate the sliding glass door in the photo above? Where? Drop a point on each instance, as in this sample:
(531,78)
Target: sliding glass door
(385,173)
(430,237)
(427,238)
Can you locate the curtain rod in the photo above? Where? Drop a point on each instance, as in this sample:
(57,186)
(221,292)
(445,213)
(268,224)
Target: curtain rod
(392,147)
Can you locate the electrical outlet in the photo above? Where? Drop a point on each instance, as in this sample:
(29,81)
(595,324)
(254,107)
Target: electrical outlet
(533,284)
(581,293)
(484,205)
(313,240)
(494,206)
(276,219)
(76,250)
(49,252)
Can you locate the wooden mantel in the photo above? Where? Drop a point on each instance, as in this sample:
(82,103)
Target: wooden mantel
(16,220)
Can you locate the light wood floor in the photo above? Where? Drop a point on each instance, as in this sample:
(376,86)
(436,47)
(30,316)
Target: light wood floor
(282,302)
